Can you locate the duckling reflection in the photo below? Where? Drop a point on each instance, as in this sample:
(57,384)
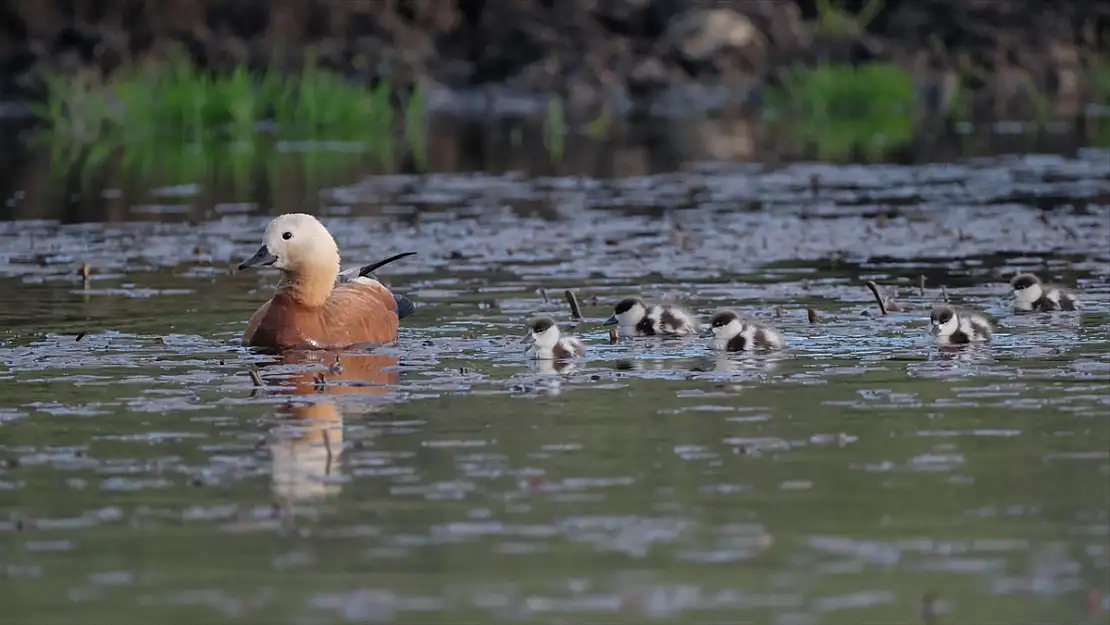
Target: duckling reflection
(306,449)
(739,362)
(551,367)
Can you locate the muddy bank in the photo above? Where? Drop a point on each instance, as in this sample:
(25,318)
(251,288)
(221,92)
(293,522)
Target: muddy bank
(662,56)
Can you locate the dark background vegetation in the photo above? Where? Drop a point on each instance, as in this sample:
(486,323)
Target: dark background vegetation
(589,51)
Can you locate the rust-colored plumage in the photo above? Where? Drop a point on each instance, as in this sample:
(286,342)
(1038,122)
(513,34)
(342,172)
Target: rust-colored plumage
(315,306)
(354,313)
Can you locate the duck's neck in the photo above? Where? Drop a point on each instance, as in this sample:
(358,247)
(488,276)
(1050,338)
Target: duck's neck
(309,287)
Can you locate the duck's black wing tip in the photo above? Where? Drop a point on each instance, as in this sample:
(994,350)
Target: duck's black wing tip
(405,306)
(368,270)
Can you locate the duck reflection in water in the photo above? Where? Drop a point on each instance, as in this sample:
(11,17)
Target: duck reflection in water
(306,447)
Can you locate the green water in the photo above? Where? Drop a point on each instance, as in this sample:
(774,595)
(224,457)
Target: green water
(861,476)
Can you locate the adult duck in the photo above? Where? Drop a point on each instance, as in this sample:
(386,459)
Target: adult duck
(315,305)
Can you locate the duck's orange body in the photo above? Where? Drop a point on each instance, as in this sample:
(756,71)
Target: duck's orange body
(315,305)
(355,313)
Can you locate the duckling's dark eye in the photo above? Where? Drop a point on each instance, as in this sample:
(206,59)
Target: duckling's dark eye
(287,235)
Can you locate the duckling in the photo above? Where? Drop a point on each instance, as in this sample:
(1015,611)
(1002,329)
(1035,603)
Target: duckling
(635,318)
(1030,294)
(956,328)
(732,333)
(545,342)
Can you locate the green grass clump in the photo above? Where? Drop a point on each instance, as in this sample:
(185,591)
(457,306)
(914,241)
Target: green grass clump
(831,91)
(1100,82)
(183,105)
(841,109)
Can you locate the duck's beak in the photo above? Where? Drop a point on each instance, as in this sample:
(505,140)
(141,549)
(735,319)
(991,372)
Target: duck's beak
(261,258)
(611,321)
(529,338)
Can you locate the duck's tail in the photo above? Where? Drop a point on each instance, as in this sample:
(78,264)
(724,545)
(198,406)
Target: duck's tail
(405,307)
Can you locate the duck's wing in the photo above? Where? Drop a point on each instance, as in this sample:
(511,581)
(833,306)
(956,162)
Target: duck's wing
(359,311)
(254,321)
(365,275)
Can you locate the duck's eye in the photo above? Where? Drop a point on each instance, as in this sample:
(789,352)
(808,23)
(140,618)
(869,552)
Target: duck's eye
(287,235)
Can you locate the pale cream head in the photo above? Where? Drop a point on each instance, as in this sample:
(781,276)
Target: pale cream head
(301,244)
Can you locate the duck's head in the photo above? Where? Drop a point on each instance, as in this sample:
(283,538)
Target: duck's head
(296,243)
(724,324)
(628,312)
(944,321)
(1026,288)
(542,331)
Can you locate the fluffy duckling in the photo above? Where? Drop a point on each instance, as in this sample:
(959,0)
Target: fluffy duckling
(545,342)
(1030,294)
(952,327)
(732,333)
(315,306)
(635,318)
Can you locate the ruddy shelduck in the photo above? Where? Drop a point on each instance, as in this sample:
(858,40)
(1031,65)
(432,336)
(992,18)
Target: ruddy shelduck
(315,305)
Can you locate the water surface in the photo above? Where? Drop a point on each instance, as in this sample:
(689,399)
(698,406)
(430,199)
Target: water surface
(862,475)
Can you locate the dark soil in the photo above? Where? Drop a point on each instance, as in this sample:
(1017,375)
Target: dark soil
(660,55)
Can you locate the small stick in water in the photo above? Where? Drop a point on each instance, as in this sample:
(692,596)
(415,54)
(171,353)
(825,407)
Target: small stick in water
(543,293)
(921,287)
(944,294)
(878,296)
(575,311)
(811,315)
(79,337)
(85,271)
(253,372)
(612,336)
(779,311)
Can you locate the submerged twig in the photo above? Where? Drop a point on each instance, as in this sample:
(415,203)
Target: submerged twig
(253,372)
(575,311)
(878,296)
(79,337)
(921,287)
(944,294)
(85,272)
(811,315)
(612,336)
(543,293)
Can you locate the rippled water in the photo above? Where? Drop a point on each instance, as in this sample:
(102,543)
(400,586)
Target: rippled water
(861,476)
